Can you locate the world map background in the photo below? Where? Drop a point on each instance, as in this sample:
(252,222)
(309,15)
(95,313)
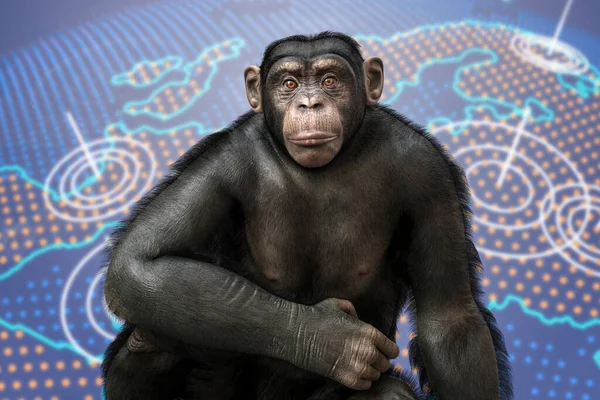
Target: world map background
(143,82)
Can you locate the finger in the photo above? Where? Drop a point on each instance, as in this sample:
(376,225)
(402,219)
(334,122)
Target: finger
(347,307)
(362,384)
(353,381)
(381,363)
(386,346)
(371,374)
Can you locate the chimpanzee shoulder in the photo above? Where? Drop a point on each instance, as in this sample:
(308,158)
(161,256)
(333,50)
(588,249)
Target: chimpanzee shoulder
(416,141)
(424,156)
(231,140)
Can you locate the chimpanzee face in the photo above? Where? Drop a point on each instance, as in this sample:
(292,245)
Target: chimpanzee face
(313,102)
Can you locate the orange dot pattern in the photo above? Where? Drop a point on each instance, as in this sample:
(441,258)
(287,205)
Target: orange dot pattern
(176,95)
(548,283)
(25,372)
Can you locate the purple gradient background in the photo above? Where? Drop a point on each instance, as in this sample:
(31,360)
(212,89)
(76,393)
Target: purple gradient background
(23,21)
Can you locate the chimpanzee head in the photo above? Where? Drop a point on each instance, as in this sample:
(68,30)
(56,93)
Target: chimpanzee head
(313,91)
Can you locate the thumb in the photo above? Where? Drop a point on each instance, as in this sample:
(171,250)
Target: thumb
(347,307)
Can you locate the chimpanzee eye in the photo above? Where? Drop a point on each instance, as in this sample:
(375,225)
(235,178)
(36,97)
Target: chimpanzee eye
(330,81)
(290,84)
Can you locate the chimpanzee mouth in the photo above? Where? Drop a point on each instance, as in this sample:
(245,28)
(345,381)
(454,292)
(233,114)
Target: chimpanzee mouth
(312,138)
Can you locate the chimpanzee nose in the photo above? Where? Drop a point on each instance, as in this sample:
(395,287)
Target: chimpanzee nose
(310,101)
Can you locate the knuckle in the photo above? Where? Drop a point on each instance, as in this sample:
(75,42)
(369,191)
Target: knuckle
(360,346)
(340,375)
(363,370)
(367,336)
(352,380)
(371,353)
(371,332)
(358,368)
(373,335)
(358,342)
(333,371)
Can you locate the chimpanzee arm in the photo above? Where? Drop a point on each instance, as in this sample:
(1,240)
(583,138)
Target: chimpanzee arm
(455,341)
(150,285)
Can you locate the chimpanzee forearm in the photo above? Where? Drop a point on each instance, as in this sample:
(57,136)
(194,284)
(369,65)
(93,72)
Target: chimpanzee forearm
(460,357)
(207,306)
(200,304)
(454,339)
(196,302)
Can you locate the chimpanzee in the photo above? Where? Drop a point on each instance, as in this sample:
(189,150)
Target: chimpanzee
(274,260)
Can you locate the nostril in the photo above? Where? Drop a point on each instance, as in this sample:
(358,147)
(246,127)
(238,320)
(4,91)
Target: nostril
(310,104)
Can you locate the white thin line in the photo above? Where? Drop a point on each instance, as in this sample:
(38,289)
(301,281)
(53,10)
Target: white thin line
(64,297)
(520,130)
(89,157)
(560,26)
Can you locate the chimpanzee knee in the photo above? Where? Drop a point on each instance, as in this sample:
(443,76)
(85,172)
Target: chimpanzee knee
(139,369)
(151,376)
(388,387)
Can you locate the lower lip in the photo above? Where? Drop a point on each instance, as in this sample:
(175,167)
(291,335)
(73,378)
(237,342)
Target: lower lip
(312,142)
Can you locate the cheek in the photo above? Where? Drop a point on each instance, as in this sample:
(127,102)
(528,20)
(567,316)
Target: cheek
(334,121)
(281,98)
(276,109)
(290,121)
(351,109)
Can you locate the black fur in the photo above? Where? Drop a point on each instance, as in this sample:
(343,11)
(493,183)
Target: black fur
(114,347)
(207,145)
(475,266)
(202,146)
(408,378)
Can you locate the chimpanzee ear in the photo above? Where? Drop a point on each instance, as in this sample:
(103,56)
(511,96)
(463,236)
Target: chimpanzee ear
(252,78)
(373,78)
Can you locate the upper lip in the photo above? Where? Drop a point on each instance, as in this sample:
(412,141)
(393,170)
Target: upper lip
(312,136)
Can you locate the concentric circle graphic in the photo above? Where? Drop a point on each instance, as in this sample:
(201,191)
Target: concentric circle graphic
(67,177)
(523,169)
(577,210)
(89,298)
(563,212)
(547,54)
(92,292)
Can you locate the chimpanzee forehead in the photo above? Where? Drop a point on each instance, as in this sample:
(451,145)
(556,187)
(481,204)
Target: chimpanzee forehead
(312,48)
(296,64)
(309,50)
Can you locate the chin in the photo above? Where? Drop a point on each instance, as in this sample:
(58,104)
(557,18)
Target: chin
(314,156)
(314,160)
(313,163)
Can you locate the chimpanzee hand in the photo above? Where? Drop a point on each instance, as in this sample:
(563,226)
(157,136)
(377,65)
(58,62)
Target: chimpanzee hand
(331,341)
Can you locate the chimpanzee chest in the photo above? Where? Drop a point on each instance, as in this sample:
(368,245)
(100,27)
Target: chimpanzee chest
(311,239)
